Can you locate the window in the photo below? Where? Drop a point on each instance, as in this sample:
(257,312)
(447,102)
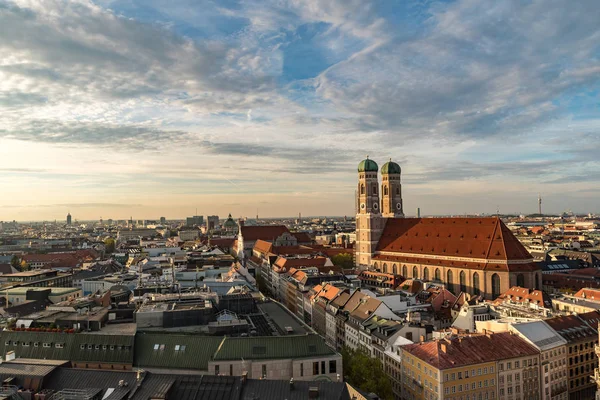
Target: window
(230,369)
(182,347)
(82,347)
(47,345)
(323,367)
(162,347)
(332,366)
(97,347)
(113,347)
(177,347)
(301,369)
(478,371)
(460,375)
(25,344)
(517,364)
(216,370)
(59,345)
(316,368)
(264,371)
(37,344)
(104,347)
(476,290)
(7,343)
(485,370)
(495,286)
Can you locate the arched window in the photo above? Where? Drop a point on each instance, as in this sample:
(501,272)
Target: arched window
(374,189)
(449,282)
(415,273)
(385,190)
(425,274)
(463,281)
(397,190)
(395,269)
(437,276)
(495,286)
(476,289)
(404,271)
(385,267)
(376,266)
(362,189)
(521,280)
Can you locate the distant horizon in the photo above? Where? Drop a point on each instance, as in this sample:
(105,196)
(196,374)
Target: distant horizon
(157,220)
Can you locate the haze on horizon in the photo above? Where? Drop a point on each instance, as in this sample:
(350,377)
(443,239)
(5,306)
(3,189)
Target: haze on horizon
(151,108)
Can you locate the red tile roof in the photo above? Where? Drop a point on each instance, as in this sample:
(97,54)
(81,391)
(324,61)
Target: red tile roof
(588,294)
(264,232)
(479,238)
(576,327)
(222,242)
(468,350)
(302,237)
(262,246)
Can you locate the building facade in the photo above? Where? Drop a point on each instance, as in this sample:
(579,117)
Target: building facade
(479,256)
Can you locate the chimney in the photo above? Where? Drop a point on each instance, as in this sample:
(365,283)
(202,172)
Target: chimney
(313,392)
(244,377)
(421,338)
(292,383)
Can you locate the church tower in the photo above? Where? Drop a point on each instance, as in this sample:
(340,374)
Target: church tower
(369,222)
(391,191)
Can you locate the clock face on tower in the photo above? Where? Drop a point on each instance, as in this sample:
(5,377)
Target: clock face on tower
(398,206)
(375,206)
(362,206)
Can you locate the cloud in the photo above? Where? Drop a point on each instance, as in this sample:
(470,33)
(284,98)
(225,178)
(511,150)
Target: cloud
(473,70)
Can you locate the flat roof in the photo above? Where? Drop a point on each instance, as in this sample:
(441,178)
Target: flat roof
(54,291)
(28,273)
(282,318)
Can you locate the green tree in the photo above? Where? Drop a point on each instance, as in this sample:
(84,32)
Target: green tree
(110,245)
(24,266)
(343,260)
(15,262)
(366,373)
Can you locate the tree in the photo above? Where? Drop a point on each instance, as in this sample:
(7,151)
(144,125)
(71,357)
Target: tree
(24,266)
(343,260)
(110,245)
(15,262)
(366,373)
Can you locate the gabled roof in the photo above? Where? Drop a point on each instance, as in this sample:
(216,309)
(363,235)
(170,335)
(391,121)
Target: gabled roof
(366,309)
(576,327)
(263,246)
(478,238)
(302,237)
(264,232)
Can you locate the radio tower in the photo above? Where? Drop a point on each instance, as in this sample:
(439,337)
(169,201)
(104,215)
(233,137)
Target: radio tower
(540,204)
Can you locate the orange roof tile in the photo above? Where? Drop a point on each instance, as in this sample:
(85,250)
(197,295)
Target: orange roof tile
(468,350)
(479,238)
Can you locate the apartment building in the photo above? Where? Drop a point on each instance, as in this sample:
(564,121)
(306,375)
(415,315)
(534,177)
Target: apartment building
(581,333)
(470,366)
(553,357)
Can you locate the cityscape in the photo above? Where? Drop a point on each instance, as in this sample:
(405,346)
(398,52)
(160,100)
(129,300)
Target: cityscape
(299,199)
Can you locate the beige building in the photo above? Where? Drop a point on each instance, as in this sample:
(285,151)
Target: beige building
(553,357)
(485,366)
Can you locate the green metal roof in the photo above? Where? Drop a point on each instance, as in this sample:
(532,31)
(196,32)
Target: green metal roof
(390,167)
(272,347)
(367,165)
(69,346)
(196,354)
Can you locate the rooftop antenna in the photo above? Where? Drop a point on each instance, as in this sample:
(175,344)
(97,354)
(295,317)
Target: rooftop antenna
(540,204)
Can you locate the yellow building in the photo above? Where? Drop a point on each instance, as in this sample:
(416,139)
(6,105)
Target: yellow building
(459,367)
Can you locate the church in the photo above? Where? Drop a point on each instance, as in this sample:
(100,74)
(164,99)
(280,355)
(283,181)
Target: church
(479,256)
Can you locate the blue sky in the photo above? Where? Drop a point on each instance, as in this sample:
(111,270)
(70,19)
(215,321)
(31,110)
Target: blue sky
(150,108)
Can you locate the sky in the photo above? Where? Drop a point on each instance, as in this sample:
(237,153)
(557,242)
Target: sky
(150,108)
